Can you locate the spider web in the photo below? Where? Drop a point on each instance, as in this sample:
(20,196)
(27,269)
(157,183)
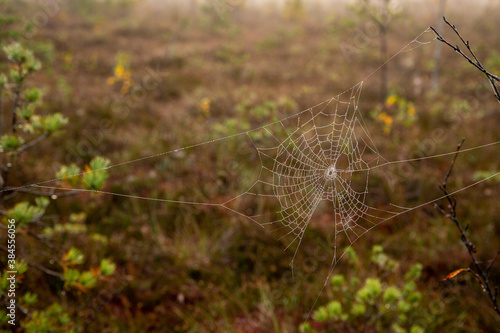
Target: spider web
(327,156)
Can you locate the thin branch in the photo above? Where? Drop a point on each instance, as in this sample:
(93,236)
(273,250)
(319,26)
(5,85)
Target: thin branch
(33,142)
(7,197)
(37,266)
(481,274)
(448,174)
(474,60)
(45,270)
(41,193)
(492,263)
(19,307)
(41,240)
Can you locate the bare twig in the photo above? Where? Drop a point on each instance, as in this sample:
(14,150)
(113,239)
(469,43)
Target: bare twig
(37,266)
(5,197)
(45,270)
(33,142)
(41,193)
(19,307)
(481,274)
(492,263)
(474,60)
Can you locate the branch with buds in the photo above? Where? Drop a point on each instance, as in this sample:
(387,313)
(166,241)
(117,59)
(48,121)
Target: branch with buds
(477,270)
(472,59)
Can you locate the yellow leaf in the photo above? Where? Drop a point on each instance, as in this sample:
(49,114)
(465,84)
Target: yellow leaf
(388,121)
(119,70)
(68,58)
(455,273)
(391,100)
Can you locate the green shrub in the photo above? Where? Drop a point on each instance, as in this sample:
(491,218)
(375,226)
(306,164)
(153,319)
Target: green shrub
(379,305)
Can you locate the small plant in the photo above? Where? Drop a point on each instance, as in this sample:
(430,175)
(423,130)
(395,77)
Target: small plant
(121,73)
(399,110)
(376,305)
(26,130)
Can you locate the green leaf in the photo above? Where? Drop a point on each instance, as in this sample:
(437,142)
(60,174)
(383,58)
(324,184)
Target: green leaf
(37,123)
(334,309)
(53,122)
(99,238)
(414,297)
(10,142)
(48,231)
(23,212)
(69,174)
(337,280)
(16,53)
(404,306)
(21,266)
(358,309)
(71,275)
(414,272)
(378,256)
(416,329)
(397,329)
(306,328)
(351,255)
(371,290)
(33,95)
(99,162)
(30,298)
(42,202)
(33,65)
(25,112)
(15,76)
(96,175)
(64,319)
(74,256)
(87,280)
(377,249)
(78,217)
(52,319)
(409,287)
(321,315)
(391,295)
(107,267)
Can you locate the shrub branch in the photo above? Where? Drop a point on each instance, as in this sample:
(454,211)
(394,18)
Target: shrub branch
(479,272)
(494,79)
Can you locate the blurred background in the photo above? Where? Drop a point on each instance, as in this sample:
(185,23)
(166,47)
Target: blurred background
(97,83)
